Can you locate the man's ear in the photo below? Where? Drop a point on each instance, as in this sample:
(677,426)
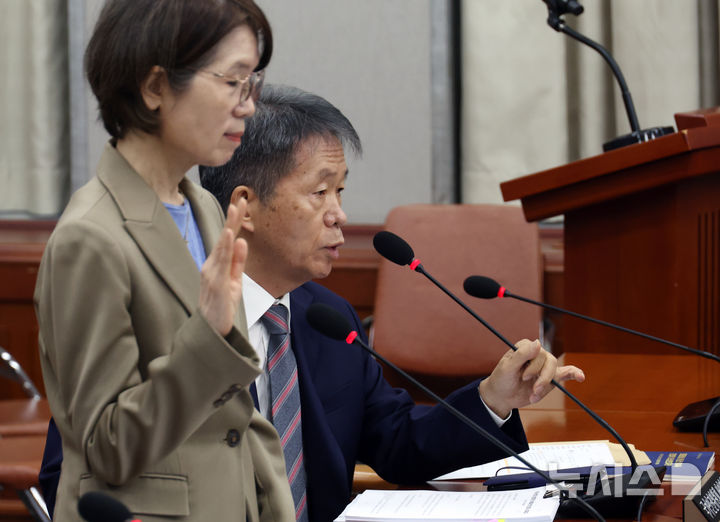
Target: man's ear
(154,87)
(244,192)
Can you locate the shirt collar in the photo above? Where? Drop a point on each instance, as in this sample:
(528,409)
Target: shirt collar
(257,300)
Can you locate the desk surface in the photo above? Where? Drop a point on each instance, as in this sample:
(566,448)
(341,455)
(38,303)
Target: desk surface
(639,396)
(637,382)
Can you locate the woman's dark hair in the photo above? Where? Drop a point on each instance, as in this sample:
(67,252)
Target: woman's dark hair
(132,36)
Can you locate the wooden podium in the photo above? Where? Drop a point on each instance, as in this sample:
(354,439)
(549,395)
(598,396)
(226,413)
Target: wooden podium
(642,238)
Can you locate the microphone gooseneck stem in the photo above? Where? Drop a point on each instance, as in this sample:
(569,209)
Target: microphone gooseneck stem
(328,321)
(627,98)
(475,426)
(701,353)
(420,269)
(633,463)
(706,423)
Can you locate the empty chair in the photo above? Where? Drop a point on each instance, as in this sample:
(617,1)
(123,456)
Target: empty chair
(421,329)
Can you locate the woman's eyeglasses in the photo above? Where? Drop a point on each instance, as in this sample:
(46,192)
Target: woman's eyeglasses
(250,85)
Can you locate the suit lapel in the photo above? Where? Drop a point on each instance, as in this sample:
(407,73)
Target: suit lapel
(306,342)
(325,462)
(152,228)
(324,459)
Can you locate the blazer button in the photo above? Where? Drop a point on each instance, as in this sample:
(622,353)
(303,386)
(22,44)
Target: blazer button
(232,438)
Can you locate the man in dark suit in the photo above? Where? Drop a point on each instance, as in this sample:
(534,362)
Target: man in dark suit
(291,170)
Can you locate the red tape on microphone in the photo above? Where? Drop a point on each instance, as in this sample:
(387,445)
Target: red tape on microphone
(501,292)
(414,264)
(351,337)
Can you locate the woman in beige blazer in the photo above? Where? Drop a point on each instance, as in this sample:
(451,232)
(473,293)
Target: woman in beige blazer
(145,359)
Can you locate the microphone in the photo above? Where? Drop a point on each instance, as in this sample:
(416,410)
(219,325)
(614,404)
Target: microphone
(560,7)
(397,250)
(95,506)
(487,288)
(331,323)
(557,8)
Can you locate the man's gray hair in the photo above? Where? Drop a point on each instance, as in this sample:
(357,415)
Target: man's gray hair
(285,118)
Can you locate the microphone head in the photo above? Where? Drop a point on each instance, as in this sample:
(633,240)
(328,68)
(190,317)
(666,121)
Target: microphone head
(482,287)
(393,248)
(328,321)
(95,506)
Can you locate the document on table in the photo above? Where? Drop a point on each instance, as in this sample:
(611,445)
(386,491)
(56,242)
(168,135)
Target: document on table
(527,505)
(550,456)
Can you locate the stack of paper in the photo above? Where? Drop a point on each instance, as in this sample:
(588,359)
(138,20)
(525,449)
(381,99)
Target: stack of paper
(553,456)
(527,505)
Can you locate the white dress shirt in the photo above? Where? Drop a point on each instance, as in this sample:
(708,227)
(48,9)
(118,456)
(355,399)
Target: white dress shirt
(258,301)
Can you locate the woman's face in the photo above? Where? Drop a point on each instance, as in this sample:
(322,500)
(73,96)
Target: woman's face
(204,123)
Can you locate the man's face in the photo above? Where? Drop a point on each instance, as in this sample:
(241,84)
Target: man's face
(296,234)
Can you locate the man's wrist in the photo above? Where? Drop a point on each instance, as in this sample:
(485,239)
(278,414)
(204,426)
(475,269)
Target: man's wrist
(491,404)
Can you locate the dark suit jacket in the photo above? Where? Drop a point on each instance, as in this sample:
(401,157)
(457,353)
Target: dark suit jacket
(350,413)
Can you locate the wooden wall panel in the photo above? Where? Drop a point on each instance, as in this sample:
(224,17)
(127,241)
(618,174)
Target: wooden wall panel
(21,247)
(354,277)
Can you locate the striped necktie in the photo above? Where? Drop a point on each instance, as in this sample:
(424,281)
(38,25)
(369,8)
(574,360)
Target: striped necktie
(285,394)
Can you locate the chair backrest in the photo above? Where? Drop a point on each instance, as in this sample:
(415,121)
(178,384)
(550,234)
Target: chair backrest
(11,369)
(421,329)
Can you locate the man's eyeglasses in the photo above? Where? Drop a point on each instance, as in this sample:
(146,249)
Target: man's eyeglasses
(250,85)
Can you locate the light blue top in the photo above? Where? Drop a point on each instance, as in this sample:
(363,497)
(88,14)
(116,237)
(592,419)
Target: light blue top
(185,221)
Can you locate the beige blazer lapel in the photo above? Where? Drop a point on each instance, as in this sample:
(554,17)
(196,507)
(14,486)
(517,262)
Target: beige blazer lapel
(152,228)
